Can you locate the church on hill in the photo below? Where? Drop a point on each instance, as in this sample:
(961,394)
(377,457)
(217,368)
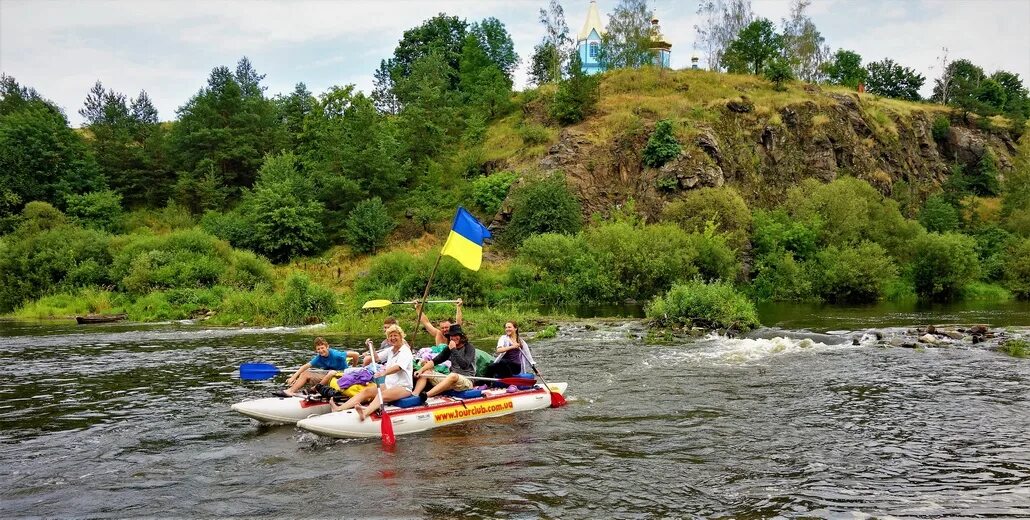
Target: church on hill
(588,43)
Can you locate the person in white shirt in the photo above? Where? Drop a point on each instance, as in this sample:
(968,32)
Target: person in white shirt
(396,369)
(512,354)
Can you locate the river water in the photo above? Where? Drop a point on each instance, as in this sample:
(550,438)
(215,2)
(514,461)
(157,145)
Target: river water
(133,421)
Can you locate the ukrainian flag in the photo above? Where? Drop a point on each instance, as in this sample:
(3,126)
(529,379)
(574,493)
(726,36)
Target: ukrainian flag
(465,243)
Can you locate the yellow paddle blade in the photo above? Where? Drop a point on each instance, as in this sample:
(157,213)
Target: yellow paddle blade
(376,304)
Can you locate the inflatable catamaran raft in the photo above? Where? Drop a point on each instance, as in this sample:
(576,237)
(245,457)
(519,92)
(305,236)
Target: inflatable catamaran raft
(407,415)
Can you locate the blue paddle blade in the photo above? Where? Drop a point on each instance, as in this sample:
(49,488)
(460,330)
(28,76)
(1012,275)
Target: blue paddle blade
(257,371)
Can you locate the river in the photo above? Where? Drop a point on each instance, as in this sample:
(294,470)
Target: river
(114,421)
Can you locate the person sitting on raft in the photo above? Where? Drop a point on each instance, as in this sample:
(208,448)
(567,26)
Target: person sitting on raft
(462,356)
(511,360)
(439,334)
(326,359)
(397,371)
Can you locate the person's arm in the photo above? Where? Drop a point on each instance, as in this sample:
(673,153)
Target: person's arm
(303,368)
(440,358)
(504,345)
(422,318)
(457,312)
(352,358)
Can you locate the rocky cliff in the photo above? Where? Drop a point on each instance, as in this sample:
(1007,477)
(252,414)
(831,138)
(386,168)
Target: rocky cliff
(736,130)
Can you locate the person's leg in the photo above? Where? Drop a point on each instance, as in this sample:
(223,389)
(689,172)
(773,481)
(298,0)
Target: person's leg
(390,394)
(491,370)
(443,385)
(362,396)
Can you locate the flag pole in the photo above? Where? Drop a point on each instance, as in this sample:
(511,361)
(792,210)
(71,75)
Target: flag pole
(425,296)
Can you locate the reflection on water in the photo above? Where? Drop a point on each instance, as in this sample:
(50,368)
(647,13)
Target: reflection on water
(824,317)
(116,422)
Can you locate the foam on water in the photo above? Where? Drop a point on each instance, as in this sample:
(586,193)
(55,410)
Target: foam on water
(732,351)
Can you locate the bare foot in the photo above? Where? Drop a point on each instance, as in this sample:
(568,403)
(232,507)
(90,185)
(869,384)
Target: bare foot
(361,412)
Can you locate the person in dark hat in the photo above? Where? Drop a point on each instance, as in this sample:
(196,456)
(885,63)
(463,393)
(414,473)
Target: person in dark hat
(462,356)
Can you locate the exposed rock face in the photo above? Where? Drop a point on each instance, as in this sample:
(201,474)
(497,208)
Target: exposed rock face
(763,153)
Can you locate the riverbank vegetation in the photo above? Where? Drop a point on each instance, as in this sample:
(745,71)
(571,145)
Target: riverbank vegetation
(295,209)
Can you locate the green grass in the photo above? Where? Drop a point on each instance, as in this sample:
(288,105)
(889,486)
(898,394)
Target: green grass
(983,291)
(1016,348)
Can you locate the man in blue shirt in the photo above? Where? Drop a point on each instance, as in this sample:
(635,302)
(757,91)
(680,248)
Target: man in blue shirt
(325,359)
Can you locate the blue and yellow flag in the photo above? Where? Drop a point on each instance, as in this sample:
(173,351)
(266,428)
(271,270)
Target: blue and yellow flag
(465,243)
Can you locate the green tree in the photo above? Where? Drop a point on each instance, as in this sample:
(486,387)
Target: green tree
(351,152)
(430,118)
(486,88)
(723,207)
(286,219)
(292,110)
(804,46)
(222,135)
(853,274)
(944,264)
(98,210)
(662,145)
(369,225)
(779,72)
(957,84)
(129,145)
(1017,268)
(541,64)
(845,68)
(543,206)
(889,79)
(1017,102)
(495,41)
(576,95)
(720,23)
(627,38)
(550,54)
(938,215)
(755,46)
(41,158)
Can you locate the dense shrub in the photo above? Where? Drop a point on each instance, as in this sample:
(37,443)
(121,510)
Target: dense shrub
(231,226)
(182,259)
(305,302)
(940,128)
(723,206)
(368,225)
(385,274)
(943,264)
(543,206)
(779,276)
(992,248)
(247,271)
(853,274)
(662,146)
(775,231)
(938,215)
(98,209)
(852,211)
(452,280)
(1017,269)
(716,305)
(533,133)
(286,218)
(35,261)
(636,262)
(982,178)
(715,259)
(490,191)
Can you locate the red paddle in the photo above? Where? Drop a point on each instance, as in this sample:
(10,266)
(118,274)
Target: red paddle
(385,424)
(556,398)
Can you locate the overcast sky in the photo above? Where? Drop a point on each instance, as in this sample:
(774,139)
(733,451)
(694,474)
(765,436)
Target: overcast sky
(168,48)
